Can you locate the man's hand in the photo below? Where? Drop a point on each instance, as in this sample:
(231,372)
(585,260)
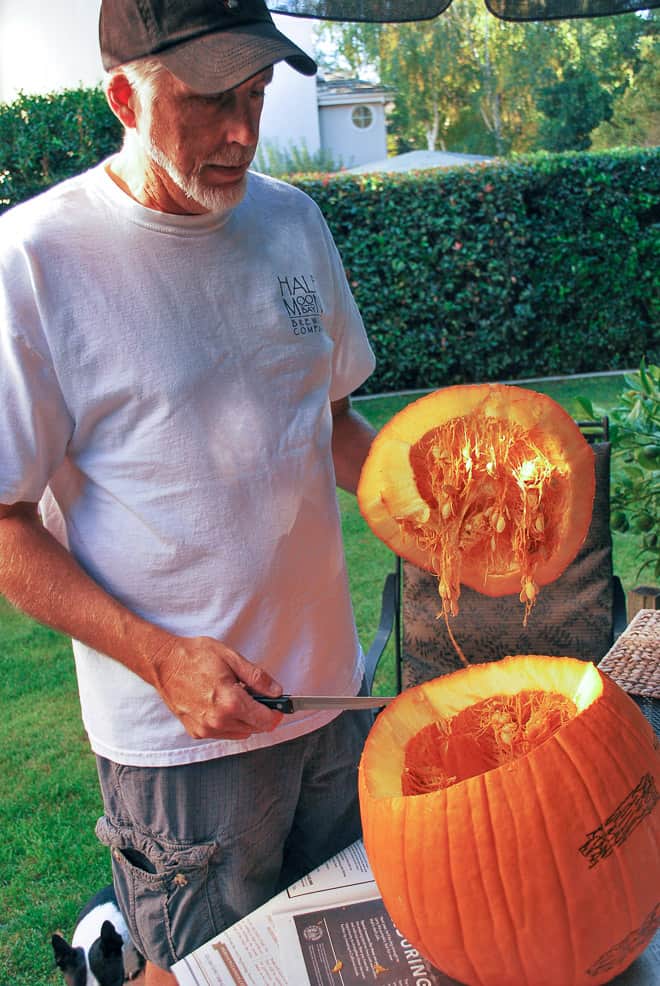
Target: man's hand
(202,681)
(205,685)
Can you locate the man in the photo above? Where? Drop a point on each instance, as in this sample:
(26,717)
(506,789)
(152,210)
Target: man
(177,347)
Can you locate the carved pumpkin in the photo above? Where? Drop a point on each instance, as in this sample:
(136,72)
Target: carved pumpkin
(487,485)
(511,817)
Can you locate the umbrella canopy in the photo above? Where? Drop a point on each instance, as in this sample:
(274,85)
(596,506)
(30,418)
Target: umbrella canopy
(419,10)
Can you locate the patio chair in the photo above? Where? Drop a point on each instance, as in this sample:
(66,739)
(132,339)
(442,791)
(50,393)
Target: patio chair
(579,615)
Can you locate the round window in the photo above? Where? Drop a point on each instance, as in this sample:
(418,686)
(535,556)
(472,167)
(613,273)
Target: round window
(362,117)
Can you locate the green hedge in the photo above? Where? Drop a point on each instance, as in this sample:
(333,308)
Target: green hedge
(537,266)
(44,139)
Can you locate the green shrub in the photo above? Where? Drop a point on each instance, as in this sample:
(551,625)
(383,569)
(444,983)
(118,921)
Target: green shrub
(635,435)
(44,139)
(541,265)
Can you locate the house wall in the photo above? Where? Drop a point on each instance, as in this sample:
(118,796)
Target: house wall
(348,144)
(291,116)
(45,47)
(48,46)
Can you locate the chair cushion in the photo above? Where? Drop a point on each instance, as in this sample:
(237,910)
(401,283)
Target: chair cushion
(572,617)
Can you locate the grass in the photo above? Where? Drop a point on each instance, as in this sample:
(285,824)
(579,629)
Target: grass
(50,861)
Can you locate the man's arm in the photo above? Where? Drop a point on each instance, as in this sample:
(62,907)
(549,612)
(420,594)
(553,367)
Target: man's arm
(351,439)
(198,678)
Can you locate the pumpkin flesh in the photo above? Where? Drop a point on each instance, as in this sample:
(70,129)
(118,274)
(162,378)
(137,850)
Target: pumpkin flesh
(484,736)
(540,869)
(486,485)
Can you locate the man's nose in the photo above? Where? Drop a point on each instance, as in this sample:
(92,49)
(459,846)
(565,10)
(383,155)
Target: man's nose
(242,125)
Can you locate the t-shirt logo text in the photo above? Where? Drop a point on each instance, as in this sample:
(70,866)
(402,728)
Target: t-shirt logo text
(302,303)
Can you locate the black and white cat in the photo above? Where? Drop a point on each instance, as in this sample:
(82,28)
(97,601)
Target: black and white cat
(101,952)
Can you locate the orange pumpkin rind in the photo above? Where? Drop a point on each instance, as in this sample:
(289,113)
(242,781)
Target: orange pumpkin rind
(496,878)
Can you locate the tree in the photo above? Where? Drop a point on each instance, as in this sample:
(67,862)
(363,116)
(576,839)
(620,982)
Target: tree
(470,82)
(456,77)
(573,107)
(423,58)
(635,117)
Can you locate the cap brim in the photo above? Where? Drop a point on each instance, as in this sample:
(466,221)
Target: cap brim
(218,62)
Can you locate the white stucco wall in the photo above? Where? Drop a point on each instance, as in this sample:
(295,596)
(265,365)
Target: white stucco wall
(47,46)
(348,144)
(291,114)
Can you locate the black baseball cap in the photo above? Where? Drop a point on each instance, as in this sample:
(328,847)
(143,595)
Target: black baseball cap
(211,45)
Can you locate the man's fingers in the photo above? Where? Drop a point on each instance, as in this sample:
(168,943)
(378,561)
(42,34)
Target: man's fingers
(235,716)
(221,727)
(254,677)
(207,686)
(253,714)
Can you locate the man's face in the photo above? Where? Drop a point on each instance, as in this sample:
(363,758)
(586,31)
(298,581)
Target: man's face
(200,147)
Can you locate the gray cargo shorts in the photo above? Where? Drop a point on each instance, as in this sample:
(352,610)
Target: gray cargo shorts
(198,846)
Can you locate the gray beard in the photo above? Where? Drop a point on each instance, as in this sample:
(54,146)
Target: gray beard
(212,199)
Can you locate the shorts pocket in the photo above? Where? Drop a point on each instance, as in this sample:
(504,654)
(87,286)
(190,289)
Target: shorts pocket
(162,889)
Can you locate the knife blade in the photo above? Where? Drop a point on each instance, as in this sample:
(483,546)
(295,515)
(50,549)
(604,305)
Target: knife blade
(296,703)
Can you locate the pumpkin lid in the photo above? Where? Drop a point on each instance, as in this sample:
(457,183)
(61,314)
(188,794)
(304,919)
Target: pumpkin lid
(488,485)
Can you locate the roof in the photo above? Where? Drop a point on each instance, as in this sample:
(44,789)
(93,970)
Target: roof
(342,91)
(418,161)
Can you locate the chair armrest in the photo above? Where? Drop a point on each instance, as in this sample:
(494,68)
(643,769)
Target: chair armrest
(619,617)
(388,610)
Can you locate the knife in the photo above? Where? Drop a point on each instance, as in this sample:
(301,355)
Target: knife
(295,703)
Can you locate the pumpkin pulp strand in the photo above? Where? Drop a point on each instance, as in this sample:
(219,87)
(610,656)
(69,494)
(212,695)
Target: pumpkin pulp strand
(494,495)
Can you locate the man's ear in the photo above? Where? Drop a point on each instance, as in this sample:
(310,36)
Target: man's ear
(122,99)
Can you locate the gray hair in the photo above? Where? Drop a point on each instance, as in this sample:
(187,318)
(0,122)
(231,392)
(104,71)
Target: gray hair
(143,75)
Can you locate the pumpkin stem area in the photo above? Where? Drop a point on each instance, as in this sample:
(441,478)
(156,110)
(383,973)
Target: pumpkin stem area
(483,736)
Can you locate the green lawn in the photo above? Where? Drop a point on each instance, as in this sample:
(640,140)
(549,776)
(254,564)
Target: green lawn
(50,861)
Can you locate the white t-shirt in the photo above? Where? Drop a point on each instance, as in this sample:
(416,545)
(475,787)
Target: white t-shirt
(166,385)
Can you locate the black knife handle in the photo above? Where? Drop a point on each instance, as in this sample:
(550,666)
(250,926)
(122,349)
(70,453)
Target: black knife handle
(281,704)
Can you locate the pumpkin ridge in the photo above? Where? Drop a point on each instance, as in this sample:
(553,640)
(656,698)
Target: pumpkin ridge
(428,905)
(453,895)
(410,896)
(616,859)
(502,893)
(513,937)
(565,910)
(614,709)
(479,876)
(456,898)
(616,757)
(575,765)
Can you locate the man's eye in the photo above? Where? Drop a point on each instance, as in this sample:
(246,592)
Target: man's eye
(213,99)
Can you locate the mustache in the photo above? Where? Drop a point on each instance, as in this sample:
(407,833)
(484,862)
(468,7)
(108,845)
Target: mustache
(237,159)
